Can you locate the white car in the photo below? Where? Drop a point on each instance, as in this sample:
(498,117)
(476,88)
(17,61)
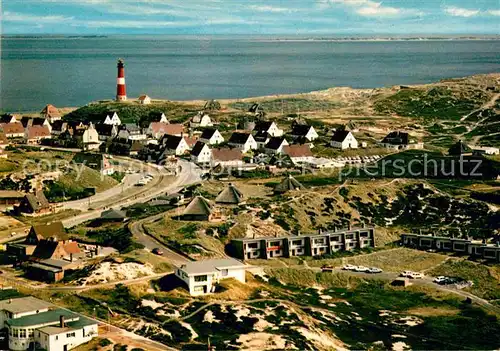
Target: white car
(374,270)
(440,280)
(416,275)
(406,274)
(362,269)
(349,267)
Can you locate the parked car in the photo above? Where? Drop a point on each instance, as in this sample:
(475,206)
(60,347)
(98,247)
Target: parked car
(349,267)
(406,274)
(362,269)
(374,270)
(440,280)
(416,275)
(327,268)
(157,251)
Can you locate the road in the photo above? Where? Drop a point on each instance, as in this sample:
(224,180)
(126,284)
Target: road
(140,235)
(162,183)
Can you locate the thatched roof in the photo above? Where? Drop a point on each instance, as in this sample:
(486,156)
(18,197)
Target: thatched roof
(199,206)
(230,195)
(289,183)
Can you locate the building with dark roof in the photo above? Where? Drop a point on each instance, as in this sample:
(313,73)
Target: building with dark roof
(460,149)
(98,162)
(275,145)
(268,127)
(200,209)
(243,141)
(288,184)
(201,153)
(211,136)
(303,132)
(34,204)
(343,139)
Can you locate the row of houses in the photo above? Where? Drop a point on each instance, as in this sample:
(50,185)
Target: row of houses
(476,249)
(322,243)
(34,324)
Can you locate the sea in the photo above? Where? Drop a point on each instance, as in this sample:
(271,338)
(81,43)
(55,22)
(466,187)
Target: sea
(73,71)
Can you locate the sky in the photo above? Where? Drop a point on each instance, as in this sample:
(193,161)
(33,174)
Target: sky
(256,17)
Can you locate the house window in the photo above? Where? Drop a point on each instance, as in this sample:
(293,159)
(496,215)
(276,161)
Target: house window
(335,238)
(349,236)
(22,333)
(224,272)
(31,333)
(70,335)
(253,246)
(297,242)
(200,278)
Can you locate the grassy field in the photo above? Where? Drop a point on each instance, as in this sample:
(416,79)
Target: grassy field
(486,279)
(73,185)
(289,105)
(32,160)
(392,260)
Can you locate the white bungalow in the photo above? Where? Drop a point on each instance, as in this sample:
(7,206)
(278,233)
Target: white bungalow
(270,128)
(275,145)
(201,277)
(90,138)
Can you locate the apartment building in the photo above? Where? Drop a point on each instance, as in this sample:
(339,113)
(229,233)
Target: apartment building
(304,245)
(462,246)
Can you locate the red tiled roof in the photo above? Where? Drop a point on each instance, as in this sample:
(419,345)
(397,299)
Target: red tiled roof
(297,150)
(142,97)
(51,111)
(172,129)
(227,154)
(72,248)
(190,141)
(12,128)
(37,132)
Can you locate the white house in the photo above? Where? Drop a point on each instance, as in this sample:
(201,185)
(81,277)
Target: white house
(90,138)
(30,320)
(201,277)
(275,145)
(303,131)
(343,139)
(158,117)
(114,120)
(201,153)
(299,153)
(174,145)
(211,136)
(144,100)
(201,120)
(243,141)
(270,128)
(226,157)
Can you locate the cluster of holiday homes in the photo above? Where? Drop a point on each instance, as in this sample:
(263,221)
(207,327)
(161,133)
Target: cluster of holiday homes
(33,324)
(47,252)
(474,248)
(322,243)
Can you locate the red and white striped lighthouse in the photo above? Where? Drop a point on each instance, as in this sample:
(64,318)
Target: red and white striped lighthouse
(121,93)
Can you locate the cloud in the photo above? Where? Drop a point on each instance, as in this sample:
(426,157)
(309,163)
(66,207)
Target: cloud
(494,12)
(21,17)
(460,12)
(370,8)
(267,8)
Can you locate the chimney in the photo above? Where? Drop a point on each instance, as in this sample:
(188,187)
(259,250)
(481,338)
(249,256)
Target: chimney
(61,321)
(349,226)
(71,257)
(121,94)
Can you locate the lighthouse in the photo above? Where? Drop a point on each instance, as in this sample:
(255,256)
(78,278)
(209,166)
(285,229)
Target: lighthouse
(121,94)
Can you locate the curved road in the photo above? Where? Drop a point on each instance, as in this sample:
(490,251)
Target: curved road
(162,183)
